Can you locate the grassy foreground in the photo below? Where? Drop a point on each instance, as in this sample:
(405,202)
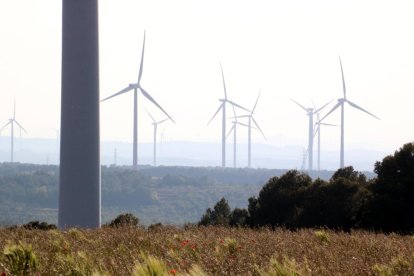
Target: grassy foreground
(204,251)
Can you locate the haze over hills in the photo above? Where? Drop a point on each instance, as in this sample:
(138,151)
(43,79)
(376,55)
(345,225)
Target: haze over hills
(197,154)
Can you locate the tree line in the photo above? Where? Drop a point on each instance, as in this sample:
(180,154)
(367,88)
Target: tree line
(348,200)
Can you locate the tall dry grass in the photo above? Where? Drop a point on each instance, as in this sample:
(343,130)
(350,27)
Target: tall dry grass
(213,251)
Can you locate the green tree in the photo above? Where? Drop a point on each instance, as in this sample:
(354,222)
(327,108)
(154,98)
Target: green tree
(280,200)
(391,207)
(239,217)
(338,203)
(123,220)
(220,215)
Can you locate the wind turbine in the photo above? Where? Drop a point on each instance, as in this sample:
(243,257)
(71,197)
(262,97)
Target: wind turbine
(223,128)
(234,129)
(135,87)
(11,122)
(310,112)
(341,103)
(318,125)
(249,125)
(155,124)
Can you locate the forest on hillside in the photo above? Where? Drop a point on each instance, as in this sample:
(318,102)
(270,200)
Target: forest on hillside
(173,195)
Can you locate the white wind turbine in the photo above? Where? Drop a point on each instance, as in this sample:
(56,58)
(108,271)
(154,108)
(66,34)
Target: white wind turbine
(234,129)
(318,125)
(223,128)
(341,103)
(310,112)
(155,124)
(11,122)
(249,125)
(137,86)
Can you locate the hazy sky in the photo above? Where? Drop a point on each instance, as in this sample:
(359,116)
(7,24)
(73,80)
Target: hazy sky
(289,49)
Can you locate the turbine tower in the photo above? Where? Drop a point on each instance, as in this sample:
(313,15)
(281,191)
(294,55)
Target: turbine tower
(155,124)
(80,174)
(223,126)
(11,122)
(318,125)
(310,112)
(249,125)
(341,103)
(135,87)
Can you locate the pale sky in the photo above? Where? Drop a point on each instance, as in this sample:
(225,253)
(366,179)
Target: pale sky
(289,49)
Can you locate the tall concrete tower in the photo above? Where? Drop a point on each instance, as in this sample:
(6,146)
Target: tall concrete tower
(79,187)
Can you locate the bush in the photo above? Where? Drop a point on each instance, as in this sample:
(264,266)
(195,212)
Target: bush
(123,220)
(39,225)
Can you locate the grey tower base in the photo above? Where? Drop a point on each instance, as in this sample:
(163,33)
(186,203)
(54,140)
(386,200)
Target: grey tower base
(79,187)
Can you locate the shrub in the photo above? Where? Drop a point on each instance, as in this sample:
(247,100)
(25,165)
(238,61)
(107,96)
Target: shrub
(123,220)
(155,226)
(39,225)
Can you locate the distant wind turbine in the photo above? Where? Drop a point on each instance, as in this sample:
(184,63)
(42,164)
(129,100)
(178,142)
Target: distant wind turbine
(155,124)
(341,103)
(223,128)
(249,125)
(11,122)
(310,112)
(318,125)
(137,86)
(234,130)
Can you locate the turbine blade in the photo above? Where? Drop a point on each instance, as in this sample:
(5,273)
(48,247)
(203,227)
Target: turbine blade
(316,131)
(335,107)
(215,113)
(14,109)
(304,108)
(231,129)
(21,127)
(126,89)
(329,125)
(254,107)
(317,114)
(162,121)
(343,78)
(224,82)
(234,112)
(149,114)
(360,108)
(257,125)
(148,96)
(237,105)
(8,123)
(141,66)
(246,125)
(318,110)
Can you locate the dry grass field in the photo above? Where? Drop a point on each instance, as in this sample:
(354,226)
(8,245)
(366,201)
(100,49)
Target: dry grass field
(203,251)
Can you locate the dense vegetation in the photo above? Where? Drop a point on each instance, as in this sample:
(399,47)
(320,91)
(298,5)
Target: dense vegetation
(203,251)
(174,195)
(348,200)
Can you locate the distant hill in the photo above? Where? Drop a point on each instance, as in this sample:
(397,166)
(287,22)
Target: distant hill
(155,194)
(195,154)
